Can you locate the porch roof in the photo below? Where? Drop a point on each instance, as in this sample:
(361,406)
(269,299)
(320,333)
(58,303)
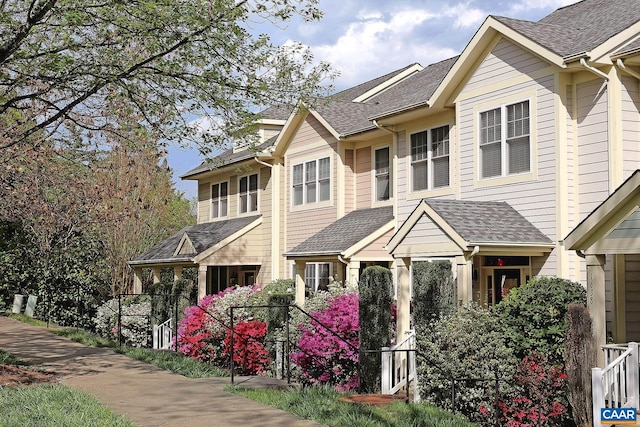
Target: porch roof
(470,223)
(614,226)
(346,233)
(189,243)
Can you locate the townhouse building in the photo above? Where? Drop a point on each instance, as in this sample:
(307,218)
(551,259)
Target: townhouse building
(517,158)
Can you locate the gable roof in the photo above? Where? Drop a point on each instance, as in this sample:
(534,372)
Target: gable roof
(606,221)
(475,223)
(188,243)
(345,233)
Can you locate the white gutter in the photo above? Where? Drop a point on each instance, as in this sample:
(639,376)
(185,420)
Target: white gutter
(475,250)
(262,163)
(594,70)
(621,65)
(342,260)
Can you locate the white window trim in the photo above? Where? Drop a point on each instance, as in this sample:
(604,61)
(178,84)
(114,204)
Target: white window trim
(249,212)
(374,174)
(533,141)
(211,200)
(430,157)
(317,278)
(317,182)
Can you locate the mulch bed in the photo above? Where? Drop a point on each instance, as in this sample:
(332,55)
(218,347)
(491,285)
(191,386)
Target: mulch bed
(11,376)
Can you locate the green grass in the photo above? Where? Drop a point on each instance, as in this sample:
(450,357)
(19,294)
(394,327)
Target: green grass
(170,361)
(174,362)
(322,405)
(10,359)
(54,405)
(30,320)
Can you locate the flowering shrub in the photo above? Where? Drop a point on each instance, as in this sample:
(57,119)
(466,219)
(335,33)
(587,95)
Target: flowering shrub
(194,338)
(248,349)
(135,326)
(324,358)
(202,331)
(541,402)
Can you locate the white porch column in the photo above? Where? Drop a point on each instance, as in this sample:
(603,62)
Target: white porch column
(156,274)
(177,273)
(137,280)
(596,301)
(464,275)
(353,272)
(403,323)
(300,269)
(202,281)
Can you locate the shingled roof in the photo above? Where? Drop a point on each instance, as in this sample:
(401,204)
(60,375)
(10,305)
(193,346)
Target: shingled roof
(344,233)
(201,236)
(480,222)
(580,27)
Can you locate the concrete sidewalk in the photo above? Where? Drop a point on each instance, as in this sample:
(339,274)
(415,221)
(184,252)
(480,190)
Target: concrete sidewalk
(148,396)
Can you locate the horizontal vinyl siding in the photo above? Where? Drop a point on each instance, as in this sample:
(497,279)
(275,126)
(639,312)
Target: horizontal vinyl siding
(376,249)
(364,194)
(593,157)
(631,124)
(204,201)
(632,297)
(265,207)
(535,200)
(505,61)
(425,231)
(312,141)
(349,177)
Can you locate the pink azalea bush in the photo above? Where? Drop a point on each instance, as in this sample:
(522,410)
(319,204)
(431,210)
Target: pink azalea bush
(324,358)
(202,331)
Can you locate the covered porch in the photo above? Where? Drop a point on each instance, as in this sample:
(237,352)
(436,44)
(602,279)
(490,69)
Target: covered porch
(226,253)
(492,248)
(608,240)
(342,250)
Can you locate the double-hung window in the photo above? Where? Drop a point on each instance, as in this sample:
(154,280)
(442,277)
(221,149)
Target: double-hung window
(312,181)
(219,195)
(505,140)
(316,276)
(382,174)
(430,159)
(248,193)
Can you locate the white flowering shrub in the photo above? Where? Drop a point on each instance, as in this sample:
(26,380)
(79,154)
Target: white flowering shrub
(135,325)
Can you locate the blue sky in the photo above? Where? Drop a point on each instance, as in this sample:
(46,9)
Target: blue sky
(364,39)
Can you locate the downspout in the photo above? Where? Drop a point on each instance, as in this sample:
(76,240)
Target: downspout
(475,250)
(621,65)
(594,70)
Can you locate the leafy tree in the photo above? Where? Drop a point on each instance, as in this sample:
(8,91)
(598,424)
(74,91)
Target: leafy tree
(168,61)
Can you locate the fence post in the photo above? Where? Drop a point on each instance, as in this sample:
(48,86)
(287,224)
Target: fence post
(231,340)
(155,337)
(598,394)
(386,370)
(633,385)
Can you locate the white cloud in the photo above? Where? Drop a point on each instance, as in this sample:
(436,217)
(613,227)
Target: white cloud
(465,16)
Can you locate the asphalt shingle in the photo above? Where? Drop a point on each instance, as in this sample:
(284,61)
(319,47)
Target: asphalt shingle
(345,232)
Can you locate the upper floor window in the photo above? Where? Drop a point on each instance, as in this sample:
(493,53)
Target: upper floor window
(248,193)
(382,174)
(312,181)
(219,195)
(505,146)
(430,159)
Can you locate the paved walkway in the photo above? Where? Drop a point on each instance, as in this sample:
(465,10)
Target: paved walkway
(148,396)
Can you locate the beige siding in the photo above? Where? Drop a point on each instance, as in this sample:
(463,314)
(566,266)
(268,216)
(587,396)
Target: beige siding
(632,297)
(364,194)
(312,141)
(534,199)
(425,231)
(204,201)
(505,61)
(631,124)
(404,206)
(593,174)
(375,250)
(349,177)
(245,250)
(265,208)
